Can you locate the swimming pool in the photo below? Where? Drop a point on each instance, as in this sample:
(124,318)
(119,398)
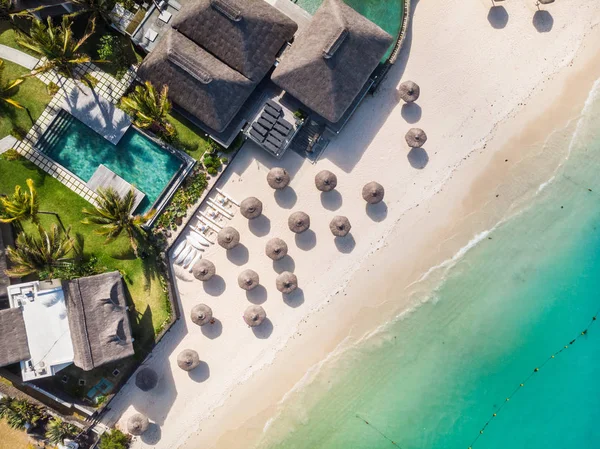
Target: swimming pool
(137,159)
(388,14)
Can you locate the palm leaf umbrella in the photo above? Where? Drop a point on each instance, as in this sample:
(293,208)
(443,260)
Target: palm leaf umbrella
(188,359)
(299,222)
(286,282)
(545,2)
(373,192)
(204,270)
(201,314)
(228,237)
(276,249)
(416,137)
(409,91)
(251,208)
(248,279)
(254,316)
(325,181)
(340,226)
(278,178)
(137,424)
(146,379)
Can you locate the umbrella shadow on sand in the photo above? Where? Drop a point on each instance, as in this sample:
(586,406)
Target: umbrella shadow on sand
(285,264)
(498,17)
(264,330)
(260,226)
(295,298)
(201,373)
(418,158)
(411,112)
(331,200)
(286,198)
(152,435)
(345,244)
(257,295)
(307,240)
(212,330)
(543,21)
(215,286)
(238,255)
(377,212)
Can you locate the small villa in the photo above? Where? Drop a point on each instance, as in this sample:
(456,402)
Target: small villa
(52,324)
(218,58)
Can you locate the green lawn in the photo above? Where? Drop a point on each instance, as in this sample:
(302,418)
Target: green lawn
(190,138)
(31,94)
(152,308)
(8,37)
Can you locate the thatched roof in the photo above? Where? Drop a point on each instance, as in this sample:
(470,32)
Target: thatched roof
(251,208)
(325,181)
(254,316)
(4,279)
(146,379)
(278,178)
(373,192)
(248,279)
(204,270)
(188,359)
(14,347)
(137,424)
(198,82)
(340,226)
(98,320)
(228,237)
(415,137)
(201,314)
(246,35)
(331,59)
(286,282)
(276,249)
(299,222)
(409,91)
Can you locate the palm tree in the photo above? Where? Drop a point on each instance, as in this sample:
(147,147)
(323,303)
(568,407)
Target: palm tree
(21,205)
(7,88)
(5,9)
(96,8)
(57,45)
(150,109)
(57,431)
(32,254)
(113,214)
(19,413)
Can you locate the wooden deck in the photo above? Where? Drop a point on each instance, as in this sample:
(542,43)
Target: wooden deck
(104,178)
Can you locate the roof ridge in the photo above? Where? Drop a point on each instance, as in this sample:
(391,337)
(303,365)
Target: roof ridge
(227,9)
(84,317)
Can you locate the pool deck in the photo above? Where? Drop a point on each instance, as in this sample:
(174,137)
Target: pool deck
(105,178)
(99,114)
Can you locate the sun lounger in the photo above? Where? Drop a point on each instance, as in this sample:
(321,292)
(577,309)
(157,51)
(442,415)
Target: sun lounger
(256,135)
(210,220)
(220,208)
(151,35)
(267,124)
(228,197)
(269,146)
(198,233)
(281,129)
(274,105)
(208,224)
(260,129)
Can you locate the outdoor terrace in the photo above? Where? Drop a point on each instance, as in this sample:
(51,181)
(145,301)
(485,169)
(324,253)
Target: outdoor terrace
(155,24)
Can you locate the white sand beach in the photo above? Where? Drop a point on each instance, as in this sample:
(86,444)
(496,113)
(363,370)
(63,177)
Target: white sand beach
(493,88)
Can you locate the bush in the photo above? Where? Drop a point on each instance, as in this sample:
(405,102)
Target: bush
(300,114)
(11,155)
(110,49)
(212,163)
(52,88)
(74,271)
(114,439)
(186,196)
(212,171)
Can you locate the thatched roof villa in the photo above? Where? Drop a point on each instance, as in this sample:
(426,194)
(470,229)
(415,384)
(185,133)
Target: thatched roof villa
(51,325)
(218,55)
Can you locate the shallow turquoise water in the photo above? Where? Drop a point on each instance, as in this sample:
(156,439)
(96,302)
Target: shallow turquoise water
(385,13)
(432,379)
(137,159)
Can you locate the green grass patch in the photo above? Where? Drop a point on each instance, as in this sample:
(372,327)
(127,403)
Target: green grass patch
(145,284)
(31,94)
(190,138)
(8,37)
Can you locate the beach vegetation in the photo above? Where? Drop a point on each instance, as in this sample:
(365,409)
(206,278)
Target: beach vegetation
(185,197)
(150,109)
(21,205)
(58,430)
(19,413)
(114,439)
(113,216)
(57,44)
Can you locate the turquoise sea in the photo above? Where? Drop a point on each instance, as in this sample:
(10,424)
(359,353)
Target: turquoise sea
(432,379)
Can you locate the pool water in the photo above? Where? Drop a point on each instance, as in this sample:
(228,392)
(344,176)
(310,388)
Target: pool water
(137,159)
(388,14)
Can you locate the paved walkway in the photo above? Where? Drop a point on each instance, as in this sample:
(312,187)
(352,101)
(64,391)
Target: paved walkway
(18,57)
(7,143)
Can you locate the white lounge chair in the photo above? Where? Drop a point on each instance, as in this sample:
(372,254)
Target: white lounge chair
(151,35)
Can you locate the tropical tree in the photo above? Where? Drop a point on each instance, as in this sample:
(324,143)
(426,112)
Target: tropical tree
(7,88)
(32,254)
(19,413)
(21,205)
(57,44)
(115,439)
(58,430)
(150,109)
(5,9)
(113,214)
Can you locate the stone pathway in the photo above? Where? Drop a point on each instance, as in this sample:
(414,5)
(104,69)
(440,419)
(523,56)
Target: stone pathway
(7,143)
(18,57)
(108,87)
